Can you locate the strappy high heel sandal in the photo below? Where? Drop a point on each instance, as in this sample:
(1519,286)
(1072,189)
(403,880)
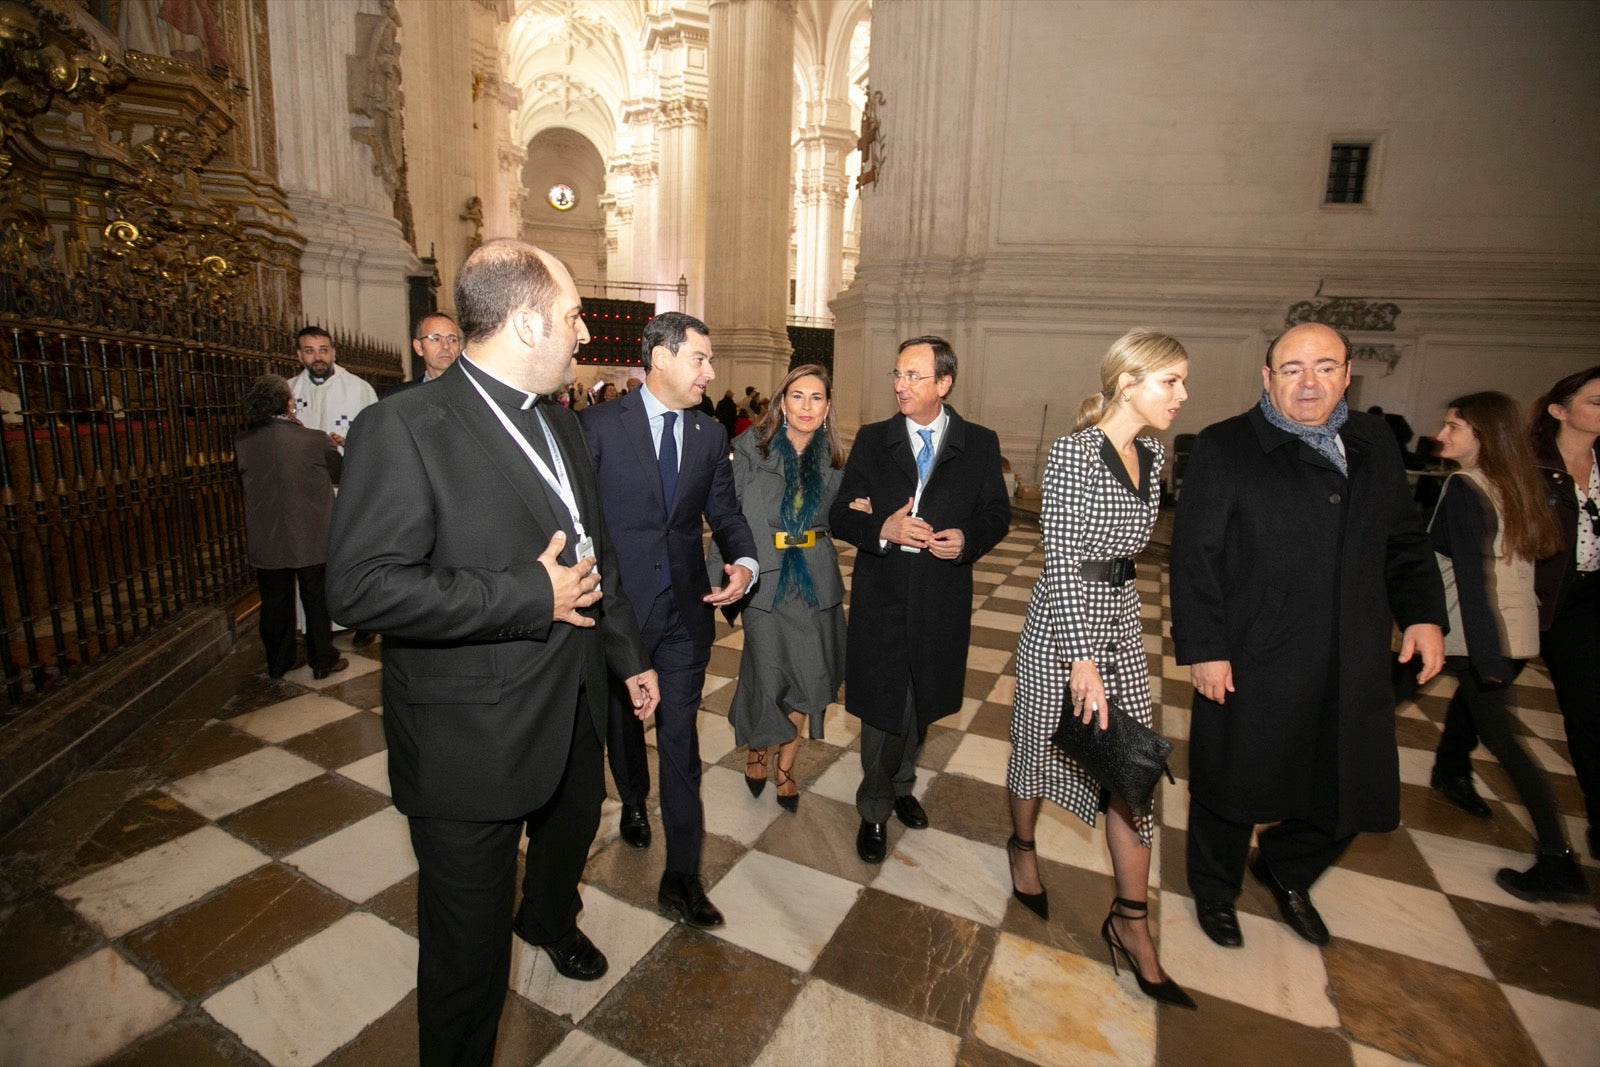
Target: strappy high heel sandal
(757,757)
(1038,903)
(789,802)
(1165,991)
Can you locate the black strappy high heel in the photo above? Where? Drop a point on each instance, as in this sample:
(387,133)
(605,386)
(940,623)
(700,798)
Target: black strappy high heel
(1038,903)
(1165,991)
(757,757)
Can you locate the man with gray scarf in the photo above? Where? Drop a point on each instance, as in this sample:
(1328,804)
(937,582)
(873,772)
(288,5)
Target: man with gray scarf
(1296,549)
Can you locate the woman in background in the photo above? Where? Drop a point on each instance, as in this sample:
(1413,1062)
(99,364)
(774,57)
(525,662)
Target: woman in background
(787,471)
(1083,636)
(1492,523)
(1566,425)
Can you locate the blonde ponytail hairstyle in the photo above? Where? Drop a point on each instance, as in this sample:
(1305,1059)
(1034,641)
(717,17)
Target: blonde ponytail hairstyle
(1136,353)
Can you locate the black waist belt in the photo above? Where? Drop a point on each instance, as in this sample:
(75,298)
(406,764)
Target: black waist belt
(1110,571)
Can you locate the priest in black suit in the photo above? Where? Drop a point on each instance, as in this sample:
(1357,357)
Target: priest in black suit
(469,532)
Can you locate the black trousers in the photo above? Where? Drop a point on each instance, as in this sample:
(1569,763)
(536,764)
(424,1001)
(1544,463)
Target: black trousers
(467,880)
(1477,713)
(277,617)
(681,671)
(889,763)
(1296,851)
(1571,650)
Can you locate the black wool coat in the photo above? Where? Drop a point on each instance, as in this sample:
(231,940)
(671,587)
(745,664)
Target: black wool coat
(910,613)
(1295,574)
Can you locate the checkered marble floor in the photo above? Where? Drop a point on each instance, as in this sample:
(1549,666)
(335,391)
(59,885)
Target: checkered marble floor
(233,886)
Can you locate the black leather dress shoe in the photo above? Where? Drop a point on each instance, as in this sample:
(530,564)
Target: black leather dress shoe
(872,841)
(575,957)
(1220,922)
(1462,793)
(908,809)
(335,667)
(635,827)
(683,894)
(1294,905)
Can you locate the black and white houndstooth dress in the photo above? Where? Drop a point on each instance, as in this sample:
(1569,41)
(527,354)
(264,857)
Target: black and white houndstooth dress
(1091,511)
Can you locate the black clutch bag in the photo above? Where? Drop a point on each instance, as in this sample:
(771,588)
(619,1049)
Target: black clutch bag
(1127,757)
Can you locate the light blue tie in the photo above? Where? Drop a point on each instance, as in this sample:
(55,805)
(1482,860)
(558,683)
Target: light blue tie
(925,456)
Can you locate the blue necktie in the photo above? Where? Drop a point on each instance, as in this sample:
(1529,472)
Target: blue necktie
(925,456)
(667,458)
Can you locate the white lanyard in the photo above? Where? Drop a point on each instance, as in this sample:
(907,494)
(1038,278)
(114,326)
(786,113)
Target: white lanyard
(556,479)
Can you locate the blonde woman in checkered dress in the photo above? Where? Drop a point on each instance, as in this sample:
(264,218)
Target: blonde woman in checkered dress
(1083,636)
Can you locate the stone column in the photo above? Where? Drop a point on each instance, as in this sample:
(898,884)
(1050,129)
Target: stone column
(678,42)
(639,167)
(335,84)
(747,199)
(822,145)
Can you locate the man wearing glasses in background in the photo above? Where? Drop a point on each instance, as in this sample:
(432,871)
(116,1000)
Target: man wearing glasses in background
(437,343)
(1296,549)
(922,498)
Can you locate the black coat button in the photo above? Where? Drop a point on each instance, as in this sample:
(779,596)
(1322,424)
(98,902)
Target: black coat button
(1334,499)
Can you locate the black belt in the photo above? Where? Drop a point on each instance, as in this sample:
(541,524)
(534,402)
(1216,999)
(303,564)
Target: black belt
(1110,571)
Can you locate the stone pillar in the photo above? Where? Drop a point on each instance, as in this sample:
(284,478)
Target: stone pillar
(678,42)
(335,84)
(747,199)
(639,167)
(821,145)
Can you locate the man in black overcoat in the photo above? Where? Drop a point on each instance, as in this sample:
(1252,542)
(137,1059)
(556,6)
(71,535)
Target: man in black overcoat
(469,532)
(922,498)
(1296,549)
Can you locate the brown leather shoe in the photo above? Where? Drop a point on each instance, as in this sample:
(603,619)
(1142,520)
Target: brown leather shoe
(335,667)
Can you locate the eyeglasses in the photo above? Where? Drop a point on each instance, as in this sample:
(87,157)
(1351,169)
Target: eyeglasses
(1294,371)
(441,338)
(910,377)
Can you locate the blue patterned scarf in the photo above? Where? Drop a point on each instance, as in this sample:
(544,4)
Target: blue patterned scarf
(1324,438)
(802,495)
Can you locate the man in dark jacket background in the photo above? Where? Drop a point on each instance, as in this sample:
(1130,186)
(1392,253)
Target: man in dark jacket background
(1296,549)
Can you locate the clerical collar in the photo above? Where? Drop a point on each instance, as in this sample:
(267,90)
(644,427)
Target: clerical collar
(504,393)
(322,380)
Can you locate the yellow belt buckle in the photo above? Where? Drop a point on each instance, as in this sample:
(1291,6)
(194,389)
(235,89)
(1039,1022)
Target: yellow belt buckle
(781,539)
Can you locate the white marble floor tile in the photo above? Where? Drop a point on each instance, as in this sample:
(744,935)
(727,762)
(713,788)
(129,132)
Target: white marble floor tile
(1546,724)
(1367,1056)
(1152,644)
(998,620)
(1566,1034)
(127,895)
(716,735)
(992,660)
(363,859)
(1065,838)
(1004,690)
(1053,1007)
(1012,592)
(840,781)
(81,1014)
(990,574)
(829,1025)
(1027,571)
(578,1049)
(1175,804)
(359,665)
(983,758)
(1467,869)
(782,910)
(733,640)
(963,718)
(322,992)
(371,771)
(950,873)
(291,718)
(237,784)
(1275,971)
(1174,718)
(840,728)
(623,932)
(1149,611)
(714,682)
(1398,917)
(1533,676)
(1547,757)
(1408,710)
(730,809)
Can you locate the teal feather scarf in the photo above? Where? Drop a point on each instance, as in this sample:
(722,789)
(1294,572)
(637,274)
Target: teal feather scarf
(802,496)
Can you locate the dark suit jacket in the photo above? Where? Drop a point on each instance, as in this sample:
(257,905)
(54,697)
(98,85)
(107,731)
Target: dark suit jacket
(911,613)
(1295,573)
(436,537)
(618,435)
(289,472)
(403,387)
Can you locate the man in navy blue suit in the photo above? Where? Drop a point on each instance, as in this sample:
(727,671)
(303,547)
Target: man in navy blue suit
(662,465)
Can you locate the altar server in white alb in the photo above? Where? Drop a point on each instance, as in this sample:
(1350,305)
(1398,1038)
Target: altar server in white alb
(326,396)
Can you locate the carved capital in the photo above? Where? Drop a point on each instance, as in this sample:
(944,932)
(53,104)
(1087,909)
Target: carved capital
(681,111)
